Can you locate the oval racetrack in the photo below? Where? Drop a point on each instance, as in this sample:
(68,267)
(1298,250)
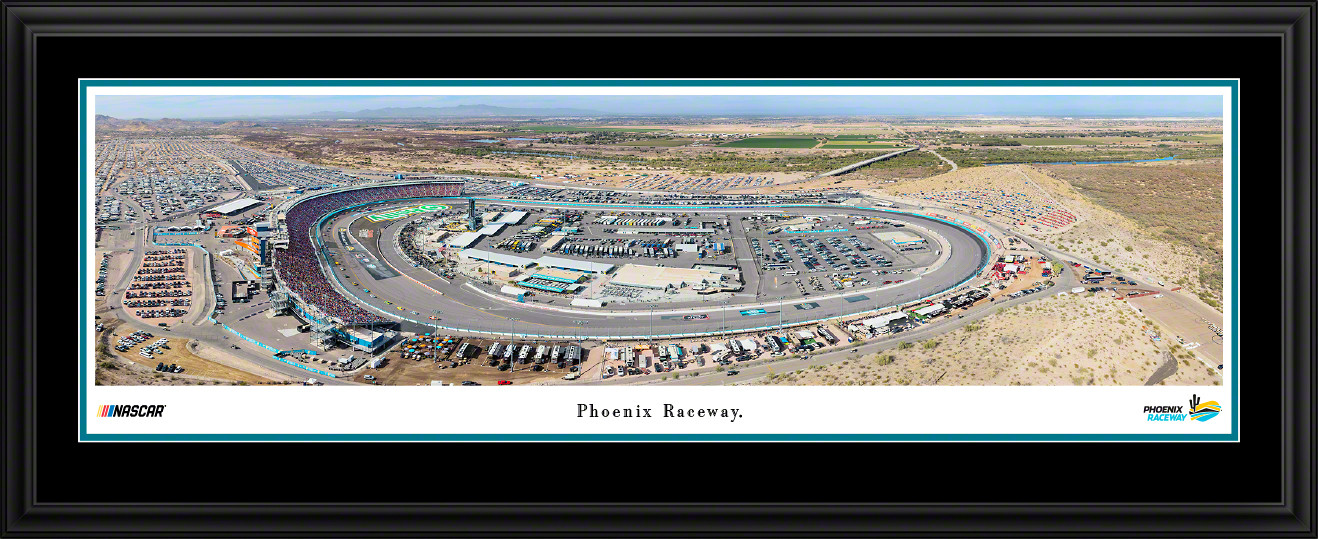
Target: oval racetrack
(467,307)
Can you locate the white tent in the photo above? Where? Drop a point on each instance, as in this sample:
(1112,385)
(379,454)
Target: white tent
(883,320)
(931,310)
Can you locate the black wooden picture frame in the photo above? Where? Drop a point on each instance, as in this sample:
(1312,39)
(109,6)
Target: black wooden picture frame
(37,503)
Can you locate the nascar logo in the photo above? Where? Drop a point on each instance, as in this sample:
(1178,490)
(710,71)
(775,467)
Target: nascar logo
(130,410)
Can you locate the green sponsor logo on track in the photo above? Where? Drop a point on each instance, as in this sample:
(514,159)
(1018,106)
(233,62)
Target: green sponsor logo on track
(404,212)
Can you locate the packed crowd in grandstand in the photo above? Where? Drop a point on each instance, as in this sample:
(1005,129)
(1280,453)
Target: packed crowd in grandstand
(298,265)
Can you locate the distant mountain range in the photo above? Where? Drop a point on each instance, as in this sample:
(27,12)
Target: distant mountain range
(459,111)
(110,123)
(411,113)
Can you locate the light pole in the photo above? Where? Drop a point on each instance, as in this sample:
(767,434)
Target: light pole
(579,324)
(780,313)
(512,359)
(652,324)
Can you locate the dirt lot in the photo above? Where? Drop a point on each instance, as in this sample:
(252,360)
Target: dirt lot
(1182,323)
(1076,339)
(177,353)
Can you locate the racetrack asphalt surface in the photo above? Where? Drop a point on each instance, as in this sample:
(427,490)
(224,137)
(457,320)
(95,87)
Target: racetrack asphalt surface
(470,305)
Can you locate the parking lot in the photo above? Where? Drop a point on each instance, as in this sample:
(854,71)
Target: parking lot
(822,253)
(161,292)
(164,177)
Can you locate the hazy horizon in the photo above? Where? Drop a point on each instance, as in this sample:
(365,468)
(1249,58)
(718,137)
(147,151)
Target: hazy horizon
(206,107)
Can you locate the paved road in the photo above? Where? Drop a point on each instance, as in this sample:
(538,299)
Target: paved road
(203,330)
(754,370)
(474,306)
(940,156)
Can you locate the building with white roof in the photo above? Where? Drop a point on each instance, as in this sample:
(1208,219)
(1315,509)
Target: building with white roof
(496,258)
(663,278)
(235,206)
(884,319)
(464,240)
(511,218)
(587,266)
(932,310)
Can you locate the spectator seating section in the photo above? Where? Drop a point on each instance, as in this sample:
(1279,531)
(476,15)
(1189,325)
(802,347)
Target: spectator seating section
(298,265)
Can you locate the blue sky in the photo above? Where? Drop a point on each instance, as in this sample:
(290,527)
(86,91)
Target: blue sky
(190,107)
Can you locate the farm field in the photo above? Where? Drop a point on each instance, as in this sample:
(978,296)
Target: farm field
(1210,139)
(664,143)
(857,145)
(864,137)
(772,142)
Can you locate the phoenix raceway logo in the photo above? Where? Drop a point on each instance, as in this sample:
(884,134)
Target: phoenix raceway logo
(1203,411)
(1197,411)
(131,410)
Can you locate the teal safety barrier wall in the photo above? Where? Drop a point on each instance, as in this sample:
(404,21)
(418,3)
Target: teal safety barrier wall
(275,352)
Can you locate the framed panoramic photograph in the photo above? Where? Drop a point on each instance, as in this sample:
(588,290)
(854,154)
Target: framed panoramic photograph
(627,270)
(806,246)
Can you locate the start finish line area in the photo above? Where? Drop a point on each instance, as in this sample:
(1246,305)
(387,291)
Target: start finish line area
(404,212)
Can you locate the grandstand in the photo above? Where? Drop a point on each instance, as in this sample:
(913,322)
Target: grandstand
(297,265)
